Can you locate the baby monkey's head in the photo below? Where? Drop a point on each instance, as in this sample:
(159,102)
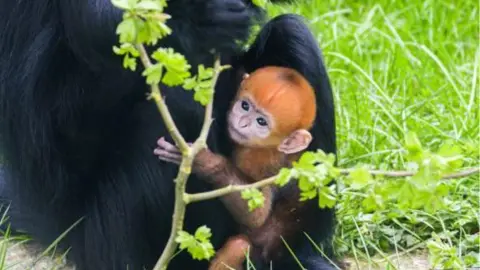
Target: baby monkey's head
(274,107)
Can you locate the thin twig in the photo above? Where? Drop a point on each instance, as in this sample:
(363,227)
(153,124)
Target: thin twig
(268,181)
(162,106)
(227,190)
(188,155)
(463,173)
(201,142)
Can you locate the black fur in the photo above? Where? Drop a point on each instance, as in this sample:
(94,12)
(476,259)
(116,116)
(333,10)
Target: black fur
(78,133)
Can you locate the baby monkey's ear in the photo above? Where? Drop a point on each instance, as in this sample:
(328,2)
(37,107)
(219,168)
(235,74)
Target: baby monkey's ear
(245,76)
(295,142)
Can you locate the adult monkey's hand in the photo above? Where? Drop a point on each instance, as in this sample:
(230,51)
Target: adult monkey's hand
(216,24)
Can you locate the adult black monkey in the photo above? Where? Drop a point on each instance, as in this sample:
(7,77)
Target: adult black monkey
(78,132)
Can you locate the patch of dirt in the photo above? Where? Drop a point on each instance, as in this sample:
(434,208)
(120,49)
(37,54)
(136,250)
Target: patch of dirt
(412,261)
(21,256)
(26,256)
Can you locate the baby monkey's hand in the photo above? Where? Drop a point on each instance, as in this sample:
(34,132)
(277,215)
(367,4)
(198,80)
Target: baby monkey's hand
(205,162)
(168,152)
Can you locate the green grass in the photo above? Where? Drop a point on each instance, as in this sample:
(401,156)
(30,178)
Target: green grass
(398,67)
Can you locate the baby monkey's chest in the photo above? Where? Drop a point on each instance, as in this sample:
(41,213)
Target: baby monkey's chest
(259,163)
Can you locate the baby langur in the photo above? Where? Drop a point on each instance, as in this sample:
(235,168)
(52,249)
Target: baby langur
(268,123)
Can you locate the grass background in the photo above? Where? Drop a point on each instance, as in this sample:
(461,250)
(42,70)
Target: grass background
(398,66)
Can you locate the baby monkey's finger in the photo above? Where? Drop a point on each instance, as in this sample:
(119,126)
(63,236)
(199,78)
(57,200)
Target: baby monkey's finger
(161,153)
(162,143)
(169,160)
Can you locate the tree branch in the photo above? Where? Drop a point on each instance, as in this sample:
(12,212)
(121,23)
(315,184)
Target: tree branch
(162,106)
(463,173)
(268,181)
(201,142)
(188,155)
(227,190)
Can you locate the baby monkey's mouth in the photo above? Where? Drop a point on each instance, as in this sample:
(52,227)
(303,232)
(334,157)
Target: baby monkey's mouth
(236,135)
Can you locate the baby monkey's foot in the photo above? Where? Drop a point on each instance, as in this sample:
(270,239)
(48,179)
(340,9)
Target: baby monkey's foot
(168,152)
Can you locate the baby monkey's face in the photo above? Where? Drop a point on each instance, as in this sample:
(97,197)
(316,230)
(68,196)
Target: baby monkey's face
(249,124)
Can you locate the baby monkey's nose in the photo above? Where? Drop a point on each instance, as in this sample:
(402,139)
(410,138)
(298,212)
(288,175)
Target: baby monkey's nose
(244,122)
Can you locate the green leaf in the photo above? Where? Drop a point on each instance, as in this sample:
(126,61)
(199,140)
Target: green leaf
(413,146)
(152,31)
(305,184)
(122,4)
(176,65)
(260,3)
(206,85)
(204,73)
(327,197)
(283,177)
(255,198)
(359,178)
(203,96)
(173,78)
(153,74)
(130,63)
(150,5)
(190,83)
(372,202)
(127,30)
(144,32)
(471,259)
(307,160)
(185,239)
(201,251)
(203,233)
(198,246)
(452,154)
(405,195)
(308,195)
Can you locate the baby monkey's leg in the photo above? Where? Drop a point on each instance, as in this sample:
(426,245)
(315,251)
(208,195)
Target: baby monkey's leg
(232,255)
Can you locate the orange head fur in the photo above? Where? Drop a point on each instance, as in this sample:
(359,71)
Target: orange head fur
(285,95)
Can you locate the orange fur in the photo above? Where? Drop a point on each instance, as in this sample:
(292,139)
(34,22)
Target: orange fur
(232,254)
(260,163)
(289,100)
(285,95)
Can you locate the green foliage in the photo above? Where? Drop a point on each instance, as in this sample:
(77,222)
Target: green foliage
(392,81)
(260,3)
(201,85)
(197,245)
(130,53)
(398,69)
(254,198)
(359,178)
(314,171)
(443,254)
(173,64)
(145,23)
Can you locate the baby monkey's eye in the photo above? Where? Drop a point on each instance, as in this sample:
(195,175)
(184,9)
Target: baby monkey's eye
(261,121)
(245,105)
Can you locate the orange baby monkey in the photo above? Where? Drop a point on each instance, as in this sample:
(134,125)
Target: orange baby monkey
(268,123)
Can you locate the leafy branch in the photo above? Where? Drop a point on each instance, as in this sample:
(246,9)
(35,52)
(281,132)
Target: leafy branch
(144,23)
(271,180)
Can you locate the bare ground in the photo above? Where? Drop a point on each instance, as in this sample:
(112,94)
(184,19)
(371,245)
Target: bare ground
(22,256)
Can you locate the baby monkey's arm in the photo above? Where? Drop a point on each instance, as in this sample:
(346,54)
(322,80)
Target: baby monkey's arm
(220,172)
